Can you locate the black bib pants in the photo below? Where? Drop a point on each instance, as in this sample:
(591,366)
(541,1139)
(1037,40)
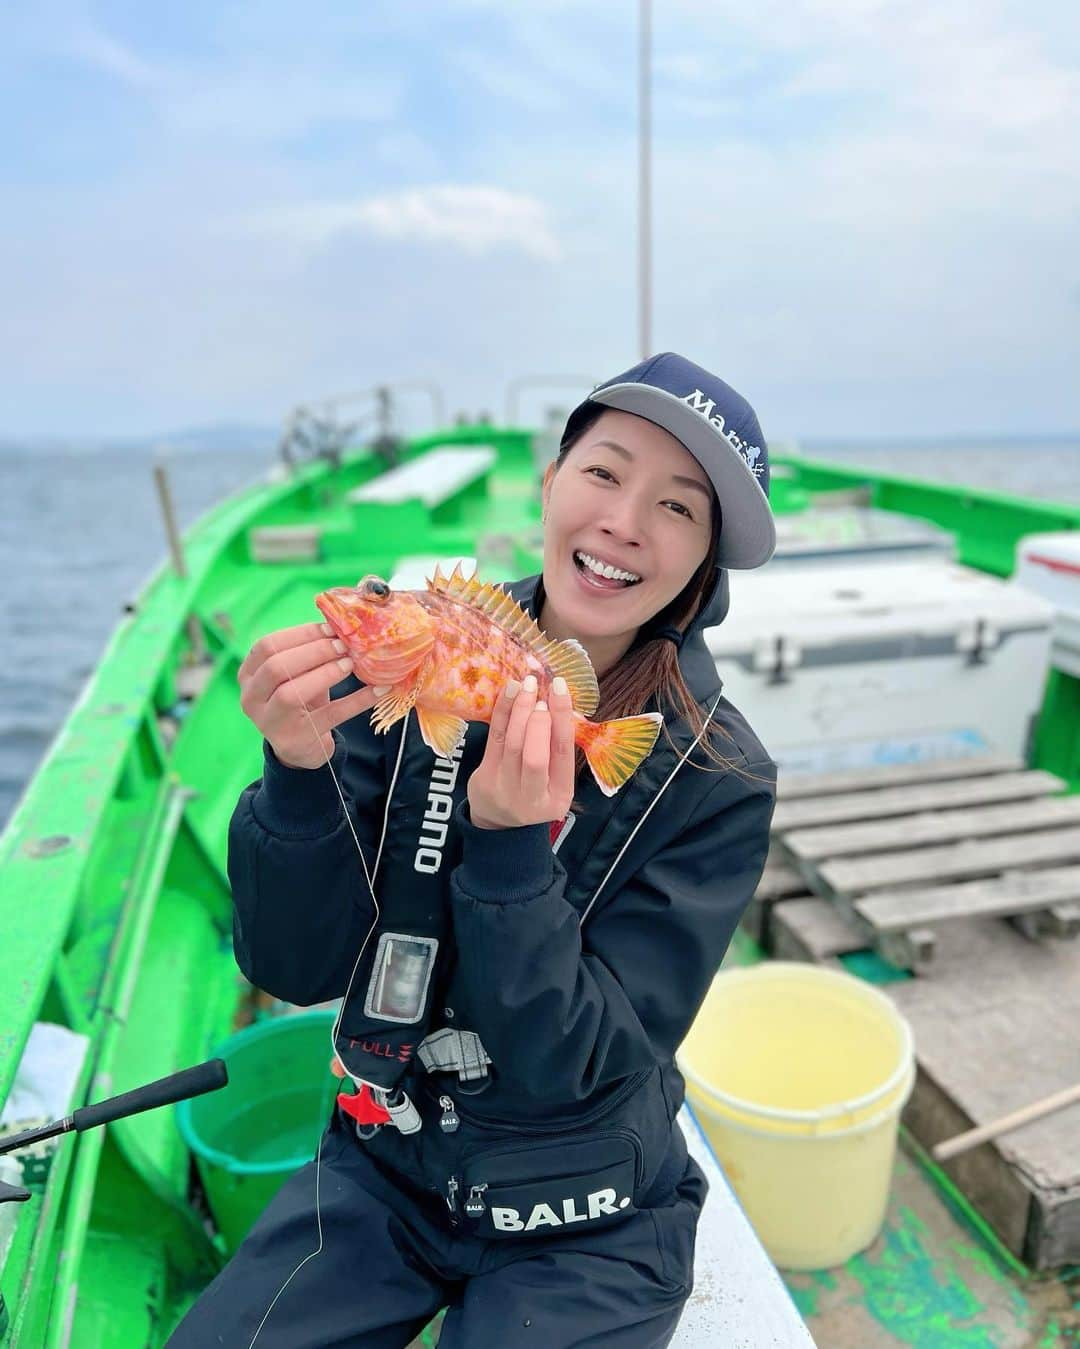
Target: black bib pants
(390,1259)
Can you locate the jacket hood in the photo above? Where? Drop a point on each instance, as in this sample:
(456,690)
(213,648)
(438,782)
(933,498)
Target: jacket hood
(715,608)
(695,662)
(697,665)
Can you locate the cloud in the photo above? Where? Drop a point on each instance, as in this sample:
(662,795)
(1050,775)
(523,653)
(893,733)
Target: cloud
(507,83)
(474,219)
(960,67)
(103,53)
(864,210)
(273,97)
(283,105)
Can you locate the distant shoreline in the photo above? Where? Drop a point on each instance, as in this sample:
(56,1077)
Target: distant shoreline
(967,441)
(261,440)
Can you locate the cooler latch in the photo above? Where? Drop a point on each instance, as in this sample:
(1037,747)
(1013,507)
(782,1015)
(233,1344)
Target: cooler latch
(976,639)
(776,657)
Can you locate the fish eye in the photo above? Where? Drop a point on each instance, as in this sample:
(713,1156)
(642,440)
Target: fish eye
(377,589)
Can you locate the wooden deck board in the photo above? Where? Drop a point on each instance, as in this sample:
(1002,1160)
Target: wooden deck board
(813,930)
(801,786)
(917,831)
(910,800)
(965,860)
(1019,892)
(779,882)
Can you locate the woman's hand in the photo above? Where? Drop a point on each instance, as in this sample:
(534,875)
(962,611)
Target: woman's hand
(288,670)
(527,773)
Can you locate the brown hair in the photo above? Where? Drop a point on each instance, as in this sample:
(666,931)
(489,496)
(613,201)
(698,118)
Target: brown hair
(650,668)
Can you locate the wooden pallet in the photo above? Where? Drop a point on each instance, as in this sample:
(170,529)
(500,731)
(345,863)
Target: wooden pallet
(900,851)
(921,863)
(779,882)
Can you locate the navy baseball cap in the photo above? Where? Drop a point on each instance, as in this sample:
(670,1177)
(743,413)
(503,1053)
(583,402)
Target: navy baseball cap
(718,427)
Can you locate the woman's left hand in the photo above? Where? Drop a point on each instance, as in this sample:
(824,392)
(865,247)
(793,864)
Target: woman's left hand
(527,773)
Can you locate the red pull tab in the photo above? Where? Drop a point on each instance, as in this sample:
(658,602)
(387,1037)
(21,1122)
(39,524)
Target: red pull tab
(363,1108)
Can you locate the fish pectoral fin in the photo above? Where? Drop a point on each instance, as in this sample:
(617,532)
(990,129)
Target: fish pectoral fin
(396,704)
(391,708)
(441,730)
(570,659)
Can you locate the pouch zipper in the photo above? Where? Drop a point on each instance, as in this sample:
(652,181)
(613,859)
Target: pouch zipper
(496,1124)
(631,1138)
(474,1205)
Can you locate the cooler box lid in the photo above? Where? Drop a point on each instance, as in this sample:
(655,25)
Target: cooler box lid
(898,609)
(862,532)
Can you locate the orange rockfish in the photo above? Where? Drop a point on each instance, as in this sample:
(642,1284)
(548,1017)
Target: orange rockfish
(448,651)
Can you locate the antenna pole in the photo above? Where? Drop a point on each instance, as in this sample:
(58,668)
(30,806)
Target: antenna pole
(645,179)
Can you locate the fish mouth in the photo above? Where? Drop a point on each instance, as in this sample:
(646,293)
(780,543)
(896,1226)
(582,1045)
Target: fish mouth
(335,612)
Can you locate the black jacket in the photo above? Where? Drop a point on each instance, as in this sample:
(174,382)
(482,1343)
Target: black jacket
(581,971)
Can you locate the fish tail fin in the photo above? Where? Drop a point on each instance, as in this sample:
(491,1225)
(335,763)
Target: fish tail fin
(614,749)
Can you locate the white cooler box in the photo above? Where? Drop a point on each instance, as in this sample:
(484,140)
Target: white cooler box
(849,535)
(845,667)
(1049,565)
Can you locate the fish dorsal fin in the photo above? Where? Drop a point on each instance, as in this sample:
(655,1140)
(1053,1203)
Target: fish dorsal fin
(568,658)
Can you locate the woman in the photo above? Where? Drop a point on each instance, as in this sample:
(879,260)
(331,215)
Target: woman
(523,1167)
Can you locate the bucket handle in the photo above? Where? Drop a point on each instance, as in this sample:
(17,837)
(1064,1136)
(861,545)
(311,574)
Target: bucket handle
(842,1115)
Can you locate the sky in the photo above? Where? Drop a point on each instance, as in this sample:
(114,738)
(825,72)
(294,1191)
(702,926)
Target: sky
(866,212)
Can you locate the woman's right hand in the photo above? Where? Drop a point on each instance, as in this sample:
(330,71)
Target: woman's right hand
(291,669)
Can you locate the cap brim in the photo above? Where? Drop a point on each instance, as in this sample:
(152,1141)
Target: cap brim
(748,534)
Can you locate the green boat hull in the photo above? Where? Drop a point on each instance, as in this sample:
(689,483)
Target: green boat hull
(115,902)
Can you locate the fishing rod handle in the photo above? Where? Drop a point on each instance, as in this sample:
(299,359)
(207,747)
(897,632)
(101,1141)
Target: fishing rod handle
(180,1086)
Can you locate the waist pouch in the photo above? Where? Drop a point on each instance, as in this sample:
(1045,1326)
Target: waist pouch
(523,1177)
(524,1189)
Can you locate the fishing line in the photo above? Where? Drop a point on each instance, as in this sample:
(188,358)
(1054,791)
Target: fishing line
(647,812)
(369,877)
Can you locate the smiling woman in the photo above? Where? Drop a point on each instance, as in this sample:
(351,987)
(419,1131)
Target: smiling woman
(634,519)
(629,515)
(547,973)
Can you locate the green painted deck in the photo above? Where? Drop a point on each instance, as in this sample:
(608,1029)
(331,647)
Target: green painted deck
(929,1280)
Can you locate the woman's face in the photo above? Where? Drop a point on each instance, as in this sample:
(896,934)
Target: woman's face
(630,496)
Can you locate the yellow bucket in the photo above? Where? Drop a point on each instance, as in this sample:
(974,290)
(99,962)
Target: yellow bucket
(798,1075)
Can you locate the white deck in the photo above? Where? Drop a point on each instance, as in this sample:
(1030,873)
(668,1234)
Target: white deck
(412,572)
(431,479)
(739,1300)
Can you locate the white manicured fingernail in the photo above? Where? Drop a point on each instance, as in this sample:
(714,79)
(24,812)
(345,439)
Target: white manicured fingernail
(380,689)
(558,686)
(541,706)
(327,629)
(529,684)
(339,645)
(513,688)
(345,663)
